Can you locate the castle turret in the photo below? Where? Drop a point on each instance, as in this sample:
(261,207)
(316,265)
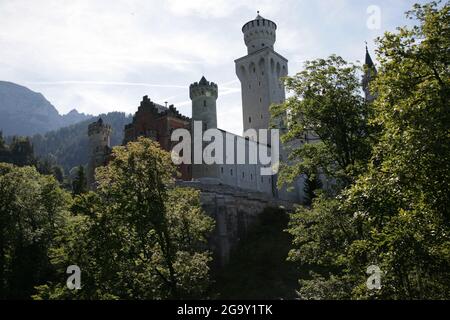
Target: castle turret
(99,147)
(260,73)
(204,96)
(369,75)
(259,33)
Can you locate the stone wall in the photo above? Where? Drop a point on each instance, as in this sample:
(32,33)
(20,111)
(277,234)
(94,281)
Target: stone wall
(234,211)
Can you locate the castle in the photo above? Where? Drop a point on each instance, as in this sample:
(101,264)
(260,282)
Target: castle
(232,193)
(259,73)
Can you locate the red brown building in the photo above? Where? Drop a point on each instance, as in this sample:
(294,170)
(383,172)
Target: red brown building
(157,122)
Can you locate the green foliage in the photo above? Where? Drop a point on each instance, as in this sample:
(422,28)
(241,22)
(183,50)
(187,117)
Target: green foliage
(312,185)
(2,141)
(137,236)
(79,183)
(32,208)
(404,196)
(326,105)
(19,152)
(395,212)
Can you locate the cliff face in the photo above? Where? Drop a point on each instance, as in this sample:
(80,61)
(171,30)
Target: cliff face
(25,112)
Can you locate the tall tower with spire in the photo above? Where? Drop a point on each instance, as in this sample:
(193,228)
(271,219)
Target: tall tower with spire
(369,75)
(259,73)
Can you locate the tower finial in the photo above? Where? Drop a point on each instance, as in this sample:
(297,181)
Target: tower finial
(368,60)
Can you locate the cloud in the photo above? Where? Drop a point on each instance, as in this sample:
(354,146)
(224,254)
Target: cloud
(101,55)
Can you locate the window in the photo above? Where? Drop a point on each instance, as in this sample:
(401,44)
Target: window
(261,116)
(251,176)
(249,119)
(243,174)
(221,170)
(204,103)
(260,99)
(259,83)
(231,172)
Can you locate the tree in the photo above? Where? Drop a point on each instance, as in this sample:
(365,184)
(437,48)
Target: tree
(326,107)
(395,212)
(312,185)
(403,199)
(137,236)
(2,141)
(32,208)
(48,166)
(79,184)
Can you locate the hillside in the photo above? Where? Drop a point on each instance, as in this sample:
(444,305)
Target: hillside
(25,112)
(69,145)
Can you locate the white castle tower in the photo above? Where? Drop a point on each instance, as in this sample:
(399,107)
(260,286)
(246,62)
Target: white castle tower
(204,96)
(260,72)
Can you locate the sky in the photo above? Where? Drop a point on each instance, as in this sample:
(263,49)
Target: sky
(100,55)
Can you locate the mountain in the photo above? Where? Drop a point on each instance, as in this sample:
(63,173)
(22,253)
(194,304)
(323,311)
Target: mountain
(74,117)
(25,112)
(68,146)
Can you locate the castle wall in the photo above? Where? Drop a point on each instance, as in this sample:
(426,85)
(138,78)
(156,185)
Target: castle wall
(246,174)
(234,211)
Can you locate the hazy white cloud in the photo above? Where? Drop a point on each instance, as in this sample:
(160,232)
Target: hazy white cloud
(101,55)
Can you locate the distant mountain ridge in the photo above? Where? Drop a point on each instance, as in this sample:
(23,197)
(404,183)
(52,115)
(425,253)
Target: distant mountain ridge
(25,112)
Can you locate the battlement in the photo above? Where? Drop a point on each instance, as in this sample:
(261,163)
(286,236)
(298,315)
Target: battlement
(259,33)
(99,127)
(204,88)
